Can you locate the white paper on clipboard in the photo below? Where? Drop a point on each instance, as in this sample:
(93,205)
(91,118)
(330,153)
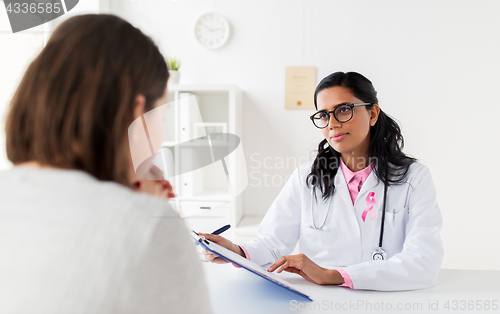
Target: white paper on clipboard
(243,262)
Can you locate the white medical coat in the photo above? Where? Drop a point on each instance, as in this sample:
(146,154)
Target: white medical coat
(411,232)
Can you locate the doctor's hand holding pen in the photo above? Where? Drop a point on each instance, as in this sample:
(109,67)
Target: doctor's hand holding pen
(213,258)
(298,264)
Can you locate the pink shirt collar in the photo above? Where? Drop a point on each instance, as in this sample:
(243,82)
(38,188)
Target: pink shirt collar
(348,174)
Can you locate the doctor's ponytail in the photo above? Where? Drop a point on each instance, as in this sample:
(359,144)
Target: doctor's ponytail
(386,141)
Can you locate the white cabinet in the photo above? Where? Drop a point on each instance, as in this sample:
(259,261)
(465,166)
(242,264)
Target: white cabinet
(206,196)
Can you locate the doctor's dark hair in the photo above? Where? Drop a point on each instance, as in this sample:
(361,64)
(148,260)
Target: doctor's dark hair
(386,141)
(76,100)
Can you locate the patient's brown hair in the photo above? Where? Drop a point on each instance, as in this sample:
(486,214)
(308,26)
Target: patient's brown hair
(75,102)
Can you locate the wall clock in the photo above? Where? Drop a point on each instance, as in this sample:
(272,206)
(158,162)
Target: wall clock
(212,30)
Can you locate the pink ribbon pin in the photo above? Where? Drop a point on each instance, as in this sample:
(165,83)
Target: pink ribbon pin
(370,200)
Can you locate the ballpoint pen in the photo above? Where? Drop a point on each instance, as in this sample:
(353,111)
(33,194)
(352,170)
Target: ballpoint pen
(221,230)
(216,232)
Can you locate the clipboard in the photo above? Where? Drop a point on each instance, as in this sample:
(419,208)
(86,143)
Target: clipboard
(244,263)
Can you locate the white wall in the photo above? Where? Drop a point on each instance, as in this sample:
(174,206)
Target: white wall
(429,60)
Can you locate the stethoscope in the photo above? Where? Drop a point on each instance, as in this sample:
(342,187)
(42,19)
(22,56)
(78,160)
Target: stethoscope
(378,254)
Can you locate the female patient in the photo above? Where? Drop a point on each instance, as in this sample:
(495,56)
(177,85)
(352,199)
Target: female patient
(74,236)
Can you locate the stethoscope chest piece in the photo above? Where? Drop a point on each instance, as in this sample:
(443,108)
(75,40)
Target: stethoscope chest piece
(379,254)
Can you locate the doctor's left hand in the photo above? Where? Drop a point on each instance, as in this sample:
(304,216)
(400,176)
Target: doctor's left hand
(302,265)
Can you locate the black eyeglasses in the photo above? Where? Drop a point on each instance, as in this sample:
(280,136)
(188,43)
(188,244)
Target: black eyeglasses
(342,113)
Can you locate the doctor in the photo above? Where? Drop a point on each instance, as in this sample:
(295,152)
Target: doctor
(364,214)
